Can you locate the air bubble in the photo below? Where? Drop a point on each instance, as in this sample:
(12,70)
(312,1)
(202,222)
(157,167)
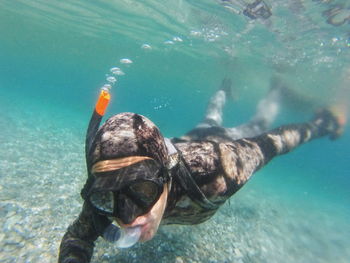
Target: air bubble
(177,39)
(146,47)
(125,61)
(111,79)
(106,87)
(117,71)
(114,69)
(195,33)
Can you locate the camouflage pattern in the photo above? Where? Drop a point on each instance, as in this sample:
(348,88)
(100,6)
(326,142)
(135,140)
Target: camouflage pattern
(218,164)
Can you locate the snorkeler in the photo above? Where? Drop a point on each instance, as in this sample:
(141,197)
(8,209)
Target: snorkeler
(137,179)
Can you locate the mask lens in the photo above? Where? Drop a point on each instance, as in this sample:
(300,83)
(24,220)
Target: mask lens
(146,191)
(103,201)
(126,209)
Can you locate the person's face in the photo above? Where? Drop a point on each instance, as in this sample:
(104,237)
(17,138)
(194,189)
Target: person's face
(138,194)
(150,222)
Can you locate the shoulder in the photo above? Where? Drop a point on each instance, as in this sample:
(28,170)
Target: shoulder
(199,156)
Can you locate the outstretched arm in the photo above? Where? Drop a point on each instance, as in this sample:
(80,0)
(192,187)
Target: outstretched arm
(284,139)
(241,158)
(78,242)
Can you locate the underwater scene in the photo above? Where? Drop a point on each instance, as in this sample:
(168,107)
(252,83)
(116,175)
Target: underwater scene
(165,60)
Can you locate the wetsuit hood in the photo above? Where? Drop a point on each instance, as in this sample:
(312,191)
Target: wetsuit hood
(125,135)
(128,134)
(120,137)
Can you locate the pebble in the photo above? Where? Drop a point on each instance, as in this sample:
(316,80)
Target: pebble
(238,253)
(10,222)
(2,236)
(11,213)
(179,260)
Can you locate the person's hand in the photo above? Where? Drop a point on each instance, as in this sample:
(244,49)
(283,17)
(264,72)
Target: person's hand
(331,121)
(339,113)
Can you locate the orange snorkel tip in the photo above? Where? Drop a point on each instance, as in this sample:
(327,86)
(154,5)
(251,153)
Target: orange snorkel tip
(96,117)
(102,102)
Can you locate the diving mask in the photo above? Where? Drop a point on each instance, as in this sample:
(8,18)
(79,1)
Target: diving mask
(127,192)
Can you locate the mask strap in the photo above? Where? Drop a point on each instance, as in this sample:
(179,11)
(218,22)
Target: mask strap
(115,164)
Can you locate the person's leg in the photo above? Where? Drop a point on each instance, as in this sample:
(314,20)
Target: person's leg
(266,113)
(213,116)
(211,125)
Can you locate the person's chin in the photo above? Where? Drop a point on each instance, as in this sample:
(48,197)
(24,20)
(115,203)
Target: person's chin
(146,233)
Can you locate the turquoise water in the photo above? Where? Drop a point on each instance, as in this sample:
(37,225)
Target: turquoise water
(54,57)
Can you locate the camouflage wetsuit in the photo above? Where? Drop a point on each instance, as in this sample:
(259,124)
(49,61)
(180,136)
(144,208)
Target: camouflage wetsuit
(208,165)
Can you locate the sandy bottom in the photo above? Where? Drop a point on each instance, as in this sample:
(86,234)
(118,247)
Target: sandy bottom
(42,170)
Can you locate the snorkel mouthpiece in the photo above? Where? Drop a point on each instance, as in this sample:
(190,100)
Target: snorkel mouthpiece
(122,237)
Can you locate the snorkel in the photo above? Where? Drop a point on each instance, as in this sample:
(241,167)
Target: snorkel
(122,237)
(96,117)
